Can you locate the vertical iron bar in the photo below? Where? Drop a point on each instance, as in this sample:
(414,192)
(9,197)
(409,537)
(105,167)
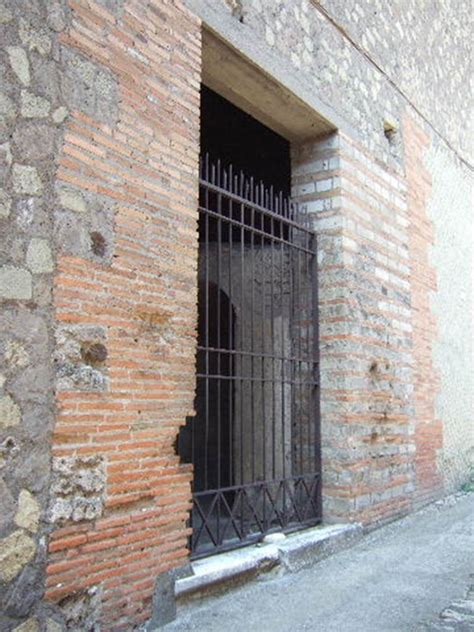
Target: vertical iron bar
(219,346)
(231,341)
(242,338)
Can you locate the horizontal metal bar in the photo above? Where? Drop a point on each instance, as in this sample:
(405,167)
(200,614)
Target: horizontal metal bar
(256,231)
(235,378)
(253,205)
(313,476)
(268,356)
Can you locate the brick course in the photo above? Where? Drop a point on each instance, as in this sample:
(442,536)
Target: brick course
(139,159)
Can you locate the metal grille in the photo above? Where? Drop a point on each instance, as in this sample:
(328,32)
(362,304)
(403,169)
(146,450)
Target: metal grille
(254,441)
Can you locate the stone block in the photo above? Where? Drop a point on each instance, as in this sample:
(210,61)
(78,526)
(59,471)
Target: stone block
(7,505)
(71,199)
(78,489)
(38,256)
(60,114)
(33,106)
(5,203)
(8,111)
(10,414)
(53,626)
(31,625)
(56,17)
(5,14)
(26,180)
(34,140)
(24,592)
(15,283)
(28,513)
(35,39)
(82,610)
(75,369)
(19,63)
(5,156)
(89,88)
(16,550)
(16,355)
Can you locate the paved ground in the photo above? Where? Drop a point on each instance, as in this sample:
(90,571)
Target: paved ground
(397,579)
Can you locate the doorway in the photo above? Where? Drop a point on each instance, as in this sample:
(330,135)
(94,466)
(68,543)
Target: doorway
(254,440)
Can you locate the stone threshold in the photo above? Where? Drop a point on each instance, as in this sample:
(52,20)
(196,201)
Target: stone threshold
(277,554)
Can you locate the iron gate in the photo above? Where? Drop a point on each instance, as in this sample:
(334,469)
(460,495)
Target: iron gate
(254,441)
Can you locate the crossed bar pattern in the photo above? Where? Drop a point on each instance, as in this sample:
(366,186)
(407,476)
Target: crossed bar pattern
(224,519)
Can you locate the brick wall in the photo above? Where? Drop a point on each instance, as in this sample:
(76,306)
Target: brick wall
(379,435)
(428,428)
(125,301)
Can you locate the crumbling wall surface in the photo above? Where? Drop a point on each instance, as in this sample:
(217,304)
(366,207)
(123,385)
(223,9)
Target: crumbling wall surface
(99,120)
(32,115)
(452,255)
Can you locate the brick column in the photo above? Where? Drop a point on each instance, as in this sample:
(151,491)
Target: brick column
(359,212)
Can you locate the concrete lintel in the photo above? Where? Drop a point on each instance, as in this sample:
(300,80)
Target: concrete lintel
(260,80)
(296,551)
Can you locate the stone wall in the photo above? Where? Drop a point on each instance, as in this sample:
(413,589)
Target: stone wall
(32,115)
(99,121)
(98,156)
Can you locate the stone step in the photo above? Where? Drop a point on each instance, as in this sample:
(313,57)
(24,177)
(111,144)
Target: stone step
(275,554)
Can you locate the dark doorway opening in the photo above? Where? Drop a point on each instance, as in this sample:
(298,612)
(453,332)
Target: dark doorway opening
(235,138)
(254,440)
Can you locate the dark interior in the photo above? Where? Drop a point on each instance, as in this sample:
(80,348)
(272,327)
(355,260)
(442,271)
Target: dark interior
(235,137)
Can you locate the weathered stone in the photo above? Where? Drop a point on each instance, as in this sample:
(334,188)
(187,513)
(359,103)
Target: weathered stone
(7,505)
(5,155)
(24,592)
(5,14)
(74,371)
(56,16)
(89,88)
(53,626)
(31,467)
(26,180)
(16,550)
(33,106)
(7,113)
(71,199)
(15,283)
(77,488)
(34,140)
(10,414)
(60,114)
(16,355)
(28,512)
(164,602)
(38,256)
(31,625)
(19,63)
(5,203)
(82,610)
(34,38)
